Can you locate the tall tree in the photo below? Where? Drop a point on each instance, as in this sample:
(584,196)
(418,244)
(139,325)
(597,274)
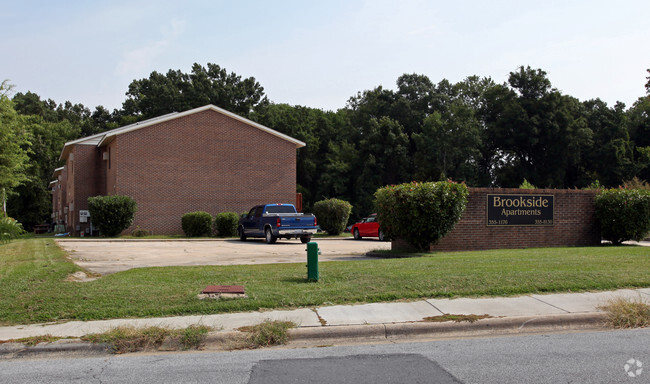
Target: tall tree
(14,145)
(638,125)
(177,91)
(610,159)
(383,154)
(538,133)
(449,145)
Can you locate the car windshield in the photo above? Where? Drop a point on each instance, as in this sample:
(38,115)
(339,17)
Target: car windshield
(280,209)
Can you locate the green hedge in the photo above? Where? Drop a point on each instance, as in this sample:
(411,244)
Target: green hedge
(197,224)
(420,213)
(225,224)
(332,215)
(112,214)
(623,214)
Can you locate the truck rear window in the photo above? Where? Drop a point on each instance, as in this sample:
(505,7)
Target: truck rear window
(280,209)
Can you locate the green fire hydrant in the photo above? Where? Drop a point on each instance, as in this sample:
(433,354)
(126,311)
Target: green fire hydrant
(312,261)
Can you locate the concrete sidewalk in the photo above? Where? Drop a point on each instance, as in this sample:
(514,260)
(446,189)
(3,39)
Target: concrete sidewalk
(557,307)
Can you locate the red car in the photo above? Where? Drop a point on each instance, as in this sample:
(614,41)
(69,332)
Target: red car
(367,227)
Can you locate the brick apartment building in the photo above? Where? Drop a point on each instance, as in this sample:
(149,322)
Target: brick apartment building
(204,159)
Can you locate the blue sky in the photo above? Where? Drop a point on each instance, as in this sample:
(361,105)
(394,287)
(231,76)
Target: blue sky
(320,53)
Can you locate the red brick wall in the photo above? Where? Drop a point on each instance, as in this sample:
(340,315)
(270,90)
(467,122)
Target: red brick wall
(204,161)
(110,169)
(86,178)
(574,223)
(63,195)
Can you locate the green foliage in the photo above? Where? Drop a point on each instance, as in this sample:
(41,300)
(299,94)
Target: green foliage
(535,132)
(197,224)
(332,215)
(594,185)
(177,91)
(420,213)
(15,143)
(526,185)
(112,214)
(623,214)
(9,229)
(32,202)
(225,224)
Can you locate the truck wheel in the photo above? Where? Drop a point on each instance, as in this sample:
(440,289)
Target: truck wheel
(381,236)
(242,235)
(356,234)
(305,239)
(270,237)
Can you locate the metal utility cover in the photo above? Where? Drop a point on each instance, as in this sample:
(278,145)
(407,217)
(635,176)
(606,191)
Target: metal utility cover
(224,289)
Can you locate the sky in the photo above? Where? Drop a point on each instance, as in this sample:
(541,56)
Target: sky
(321,53)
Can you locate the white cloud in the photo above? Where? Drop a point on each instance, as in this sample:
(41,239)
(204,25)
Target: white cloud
(142,59)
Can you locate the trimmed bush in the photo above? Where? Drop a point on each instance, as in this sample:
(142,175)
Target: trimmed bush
(332,215)
(9,229)
(623,214)
(225,224)
(197,224)
(112,214)
(420,213)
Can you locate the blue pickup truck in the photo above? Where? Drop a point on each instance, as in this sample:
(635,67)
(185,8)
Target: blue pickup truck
(273,221)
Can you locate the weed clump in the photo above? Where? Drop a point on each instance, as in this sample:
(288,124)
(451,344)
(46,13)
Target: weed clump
(627,313)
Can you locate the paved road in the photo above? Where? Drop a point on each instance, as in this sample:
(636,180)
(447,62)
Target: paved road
(106,257)
(593,357)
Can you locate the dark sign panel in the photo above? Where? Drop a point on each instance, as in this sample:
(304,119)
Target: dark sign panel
(519,210)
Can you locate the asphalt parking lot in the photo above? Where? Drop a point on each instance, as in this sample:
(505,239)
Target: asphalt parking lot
(110,256)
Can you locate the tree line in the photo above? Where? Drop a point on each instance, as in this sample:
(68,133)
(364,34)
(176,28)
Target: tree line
(476,131)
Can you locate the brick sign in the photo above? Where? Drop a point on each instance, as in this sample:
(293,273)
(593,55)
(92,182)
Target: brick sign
(519,210)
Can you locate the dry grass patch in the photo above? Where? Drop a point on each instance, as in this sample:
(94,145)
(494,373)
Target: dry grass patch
(131,339)
(266,334)
(34,340)
(627,313)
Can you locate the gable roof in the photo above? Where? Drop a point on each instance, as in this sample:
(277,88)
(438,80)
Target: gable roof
(106,137)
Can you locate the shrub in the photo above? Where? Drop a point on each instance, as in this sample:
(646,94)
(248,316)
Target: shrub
(225,224)
(112,214)
(9,229)
(636,183)
(526,185)
(332,214)
(623,214)
(139,232)
(196,224)
(420,213)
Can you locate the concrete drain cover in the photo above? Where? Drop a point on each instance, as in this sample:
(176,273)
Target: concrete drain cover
(222,291)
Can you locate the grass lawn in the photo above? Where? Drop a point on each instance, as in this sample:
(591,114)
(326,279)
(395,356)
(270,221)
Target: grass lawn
(32,286)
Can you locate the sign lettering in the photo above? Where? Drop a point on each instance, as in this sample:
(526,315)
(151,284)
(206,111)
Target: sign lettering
(520,210)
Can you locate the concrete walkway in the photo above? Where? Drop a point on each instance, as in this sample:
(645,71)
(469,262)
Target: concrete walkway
(322,318)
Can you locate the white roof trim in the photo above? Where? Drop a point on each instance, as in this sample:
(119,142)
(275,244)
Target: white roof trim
(176,115)
(60,169)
